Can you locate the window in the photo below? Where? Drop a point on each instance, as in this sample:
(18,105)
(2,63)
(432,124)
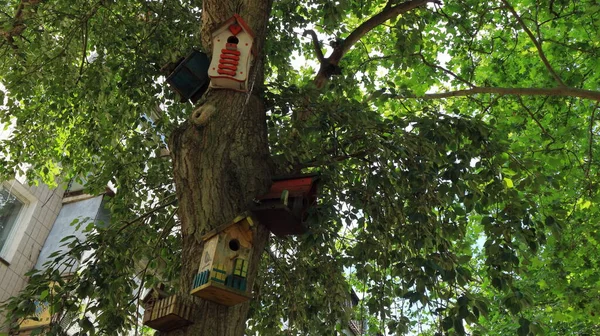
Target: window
(16,211)
(10,210)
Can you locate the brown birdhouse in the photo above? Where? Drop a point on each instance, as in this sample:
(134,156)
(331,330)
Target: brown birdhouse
(164,313)
(223,269)
(284,209)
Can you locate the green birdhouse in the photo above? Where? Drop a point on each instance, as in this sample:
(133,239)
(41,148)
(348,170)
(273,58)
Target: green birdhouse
(190,77)
(223,268)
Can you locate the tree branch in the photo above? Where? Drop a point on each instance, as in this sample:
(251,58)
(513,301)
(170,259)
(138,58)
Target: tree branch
(124,226)
(537,44)
(389,12)
(556,92)
(591,142)
(446,71)
(316,44)
(328,65)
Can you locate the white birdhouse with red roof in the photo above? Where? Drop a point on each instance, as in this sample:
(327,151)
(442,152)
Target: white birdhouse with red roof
(232,55)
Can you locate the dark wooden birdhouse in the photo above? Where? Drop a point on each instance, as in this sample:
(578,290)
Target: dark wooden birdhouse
(284,209)
(190,76)
(164,313)
(223,269)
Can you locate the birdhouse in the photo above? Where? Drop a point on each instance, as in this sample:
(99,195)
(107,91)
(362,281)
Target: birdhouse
(165,313)
(285,208)
(232,55)
(223,268)
(190,76)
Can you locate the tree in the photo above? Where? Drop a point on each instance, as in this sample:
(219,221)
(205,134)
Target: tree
(439,129)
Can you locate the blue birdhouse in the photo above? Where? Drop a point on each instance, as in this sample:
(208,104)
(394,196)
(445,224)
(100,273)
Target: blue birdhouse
(190,77)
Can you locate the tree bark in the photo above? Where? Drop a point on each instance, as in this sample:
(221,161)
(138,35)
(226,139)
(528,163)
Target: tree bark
(221,162)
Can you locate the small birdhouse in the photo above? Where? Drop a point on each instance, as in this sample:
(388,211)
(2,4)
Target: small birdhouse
(223,268)
(285,208)
(190,76)
(165,313)
(232,55)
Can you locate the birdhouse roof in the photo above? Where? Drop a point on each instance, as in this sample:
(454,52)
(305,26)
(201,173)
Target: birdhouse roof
(249,222)
(154,293)
(234,19)
(296,185)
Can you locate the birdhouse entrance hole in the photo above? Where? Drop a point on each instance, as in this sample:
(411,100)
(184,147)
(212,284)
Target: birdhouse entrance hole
(234,244)
(233,39)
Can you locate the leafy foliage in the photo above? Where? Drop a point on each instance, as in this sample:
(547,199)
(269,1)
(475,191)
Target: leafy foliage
(447,216)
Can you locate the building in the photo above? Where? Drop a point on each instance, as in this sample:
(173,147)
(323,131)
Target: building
(33,220)
(27,215)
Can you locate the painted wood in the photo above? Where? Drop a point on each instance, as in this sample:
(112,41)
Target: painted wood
(232,55)
(223,268)
(285,208)
(168,314)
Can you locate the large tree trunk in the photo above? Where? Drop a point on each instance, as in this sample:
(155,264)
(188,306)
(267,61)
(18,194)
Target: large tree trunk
(220,163)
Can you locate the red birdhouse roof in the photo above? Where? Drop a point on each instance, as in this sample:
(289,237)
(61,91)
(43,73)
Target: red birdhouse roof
(299,185)
(235,19)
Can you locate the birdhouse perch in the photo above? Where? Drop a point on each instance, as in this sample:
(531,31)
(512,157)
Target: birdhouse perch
(223,268)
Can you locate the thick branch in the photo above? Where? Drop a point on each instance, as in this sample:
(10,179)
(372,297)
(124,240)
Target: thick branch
(329,66)
(316,44)
(18,24)
(556,92)
(389,12)
(537,44)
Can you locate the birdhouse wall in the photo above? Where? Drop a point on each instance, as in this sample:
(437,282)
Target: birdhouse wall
(208,254)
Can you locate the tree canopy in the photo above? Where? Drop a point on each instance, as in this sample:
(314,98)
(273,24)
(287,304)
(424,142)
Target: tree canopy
(457,143)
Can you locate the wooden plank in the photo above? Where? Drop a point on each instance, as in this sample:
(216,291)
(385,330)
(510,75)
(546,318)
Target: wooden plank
(220,294)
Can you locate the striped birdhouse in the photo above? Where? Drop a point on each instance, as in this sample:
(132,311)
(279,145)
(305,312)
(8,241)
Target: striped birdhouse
(165,313)
(222,274)
(232,55)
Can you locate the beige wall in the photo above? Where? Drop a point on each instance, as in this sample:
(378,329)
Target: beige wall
(32,231)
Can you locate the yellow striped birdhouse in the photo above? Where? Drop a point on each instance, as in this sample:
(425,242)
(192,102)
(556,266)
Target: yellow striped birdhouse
(223,269)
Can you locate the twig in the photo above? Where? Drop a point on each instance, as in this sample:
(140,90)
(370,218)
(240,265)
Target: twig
(534,118)
(556,92)
(84,51)
(446,71)
(590,151)
(537,44)
(146,215)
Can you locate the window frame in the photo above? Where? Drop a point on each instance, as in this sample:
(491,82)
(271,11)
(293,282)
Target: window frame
(23,221)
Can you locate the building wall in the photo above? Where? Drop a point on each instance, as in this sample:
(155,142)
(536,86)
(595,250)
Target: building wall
(32,230)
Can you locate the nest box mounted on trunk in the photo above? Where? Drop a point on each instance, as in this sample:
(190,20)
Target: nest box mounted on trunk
(189,78)
(165,313)
(284,209)
(223,268)
(232,55)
